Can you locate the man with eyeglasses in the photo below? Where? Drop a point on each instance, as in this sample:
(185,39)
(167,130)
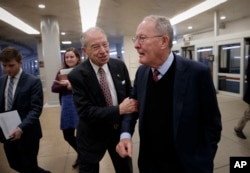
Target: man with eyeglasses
(179,118)
(101,87)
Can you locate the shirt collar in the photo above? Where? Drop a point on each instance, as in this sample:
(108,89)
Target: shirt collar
(17,76)
(96,67)
(166,65)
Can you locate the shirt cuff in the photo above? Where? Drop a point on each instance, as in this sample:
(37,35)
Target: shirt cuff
(125,135)
(20,129)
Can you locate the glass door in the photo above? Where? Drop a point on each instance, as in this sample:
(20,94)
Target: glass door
(188,52)
(205,56)
(229,67)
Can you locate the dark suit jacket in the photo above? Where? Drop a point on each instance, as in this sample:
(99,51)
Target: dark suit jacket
(96,120)
(197,120)
(28,101)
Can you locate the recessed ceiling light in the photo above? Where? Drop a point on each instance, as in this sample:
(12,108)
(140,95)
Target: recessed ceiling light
(41,6)
(190,27)
(223,17)
(63,33)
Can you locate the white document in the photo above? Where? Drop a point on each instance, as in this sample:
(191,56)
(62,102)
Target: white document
(65,71)
(9,122)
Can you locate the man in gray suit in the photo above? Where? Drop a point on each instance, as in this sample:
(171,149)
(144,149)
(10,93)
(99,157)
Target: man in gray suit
(100,110)
(22,148)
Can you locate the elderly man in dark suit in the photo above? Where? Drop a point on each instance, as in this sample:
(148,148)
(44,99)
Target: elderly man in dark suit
(101,87)
(22,148)
(179,117)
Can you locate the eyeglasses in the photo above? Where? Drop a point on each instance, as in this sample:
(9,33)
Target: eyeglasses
(142,38)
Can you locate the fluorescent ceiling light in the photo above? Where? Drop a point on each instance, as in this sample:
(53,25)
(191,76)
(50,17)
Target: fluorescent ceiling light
(89,10)
(204,50)
(200,8)
(231,47)
(15,22)
(66,42)
(114,52)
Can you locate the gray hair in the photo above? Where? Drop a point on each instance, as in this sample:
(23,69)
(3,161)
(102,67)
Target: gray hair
(85,34)
(162,26)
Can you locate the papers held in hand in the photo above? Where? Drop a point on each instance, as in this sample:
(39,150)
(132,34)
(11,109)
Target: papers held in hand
(64,73)
(9,122)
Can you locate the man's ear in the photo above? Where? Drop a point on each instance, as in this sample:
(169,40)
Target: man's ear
(84,50)
(165,41)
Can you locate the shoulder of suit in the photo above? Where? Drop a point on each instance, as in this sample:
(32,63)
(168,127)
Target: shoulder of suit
(3,77)
(116,62)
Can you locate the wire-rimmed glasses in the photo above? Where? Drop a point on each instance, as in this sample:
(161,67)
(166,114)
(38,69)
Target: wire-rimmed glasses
(142,38)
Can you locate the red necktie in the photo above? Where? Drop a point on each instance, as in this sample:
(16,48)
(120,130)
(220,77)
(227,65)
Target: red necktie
(155,75)
(105,87)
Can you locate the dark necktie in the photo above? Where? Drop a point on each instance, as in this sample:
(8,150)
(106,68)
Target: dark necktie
(105,87)
(155,75)
(10,94)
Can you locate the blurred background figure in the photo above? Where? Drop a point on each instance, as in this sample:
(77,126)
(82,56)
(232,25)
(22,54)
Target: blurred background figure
(61,85)
(246,116)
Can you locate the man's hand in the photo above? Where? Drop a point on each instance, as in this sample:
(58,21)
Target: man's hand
(128,106)
(16,134)
(124,147)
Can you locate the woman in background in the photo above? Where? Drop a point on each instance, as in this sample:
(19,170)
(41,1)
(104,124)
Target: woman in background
(69,117)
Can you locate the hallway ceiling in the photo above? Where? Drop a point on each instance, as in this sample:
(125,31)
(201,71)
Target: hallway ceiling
(116,17)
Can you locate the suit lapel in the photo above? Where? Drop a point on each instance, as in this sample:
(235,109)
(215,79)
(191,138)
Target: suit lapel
(19,86)
(180,84)
(143,81)
(2,92)
(116,77)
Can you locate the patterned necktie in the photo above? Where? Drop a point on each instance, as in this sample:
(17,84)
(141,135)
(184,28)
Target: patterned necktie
(155,75)
(105,87)
(10,94)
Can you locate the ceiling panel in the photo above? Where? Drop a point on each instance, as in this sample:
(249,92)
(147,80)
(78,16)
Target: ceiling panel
(116,17)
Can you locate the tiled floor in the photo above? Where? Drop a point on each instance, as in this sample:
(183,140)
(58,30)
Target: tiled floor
(56,155)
